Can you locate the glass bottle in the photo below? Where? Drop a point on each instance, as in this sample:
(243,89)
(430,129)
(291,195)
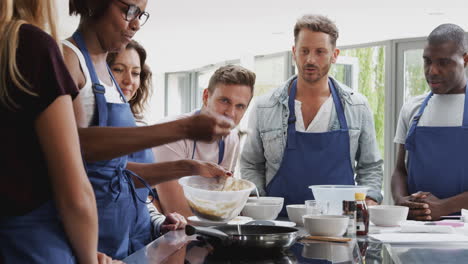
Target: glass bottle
(362,215)
(349,210)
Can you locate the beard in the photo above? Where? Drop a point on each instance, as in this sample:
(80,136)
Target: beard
(316,75)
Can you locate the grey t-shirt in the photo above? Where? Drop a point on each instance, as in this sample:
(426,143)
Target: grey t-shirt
(445,110)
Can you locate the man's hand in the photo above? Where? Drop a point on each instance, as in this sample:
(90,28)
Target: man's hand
(437,207)
(371,202)
(174,221)
(208,126)
(209,169)
(417,210)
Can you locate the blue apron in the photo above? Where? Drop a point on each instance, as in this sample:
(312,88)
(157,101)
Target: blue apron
(437,160)
(312,158)
(141,232)
(37,237)
(112,183)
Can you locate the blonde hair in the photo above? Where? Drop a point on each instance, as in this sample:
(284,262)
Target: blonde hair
(13,14)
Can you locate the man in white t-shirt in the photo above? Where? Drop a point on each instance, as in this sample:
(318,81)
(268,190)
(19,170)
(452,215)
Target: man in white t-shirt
(431,174)
(229,93)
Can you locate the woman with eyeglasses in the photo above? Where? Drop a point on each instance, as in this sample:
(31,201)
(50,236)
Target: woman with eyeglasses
(107,128)
(48,206)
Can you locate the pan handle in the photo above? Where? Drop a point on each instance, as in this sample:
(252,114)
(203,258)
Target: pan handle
(205,231)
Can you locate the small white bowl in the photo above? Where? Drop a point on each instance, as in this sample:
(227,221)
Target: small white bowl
(325,225)
(262,209)
(266,200)
(388,215)
(295,213)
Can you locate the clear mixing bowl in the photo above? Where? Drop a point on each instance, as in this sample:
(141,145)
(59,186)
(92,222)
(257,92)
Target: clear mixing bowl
(207,201)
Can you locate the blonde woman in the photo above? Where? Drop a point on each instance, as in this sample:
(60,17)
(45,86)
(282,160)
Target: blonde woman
(48,205)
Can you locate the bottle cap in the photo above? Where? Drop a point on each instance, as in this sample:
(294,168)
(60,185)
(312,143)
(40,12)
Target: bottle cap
(360,196)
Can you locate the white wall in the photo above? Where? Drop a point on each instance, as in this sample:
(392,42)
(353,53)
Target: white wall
(186,34)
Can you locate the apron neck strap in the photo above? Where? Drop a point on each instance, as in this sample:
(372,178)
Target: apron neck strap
(424,105)
(221,146)
(122,96)
(338,105)
(99,90)
(89,63)
(292,111)
(465,108)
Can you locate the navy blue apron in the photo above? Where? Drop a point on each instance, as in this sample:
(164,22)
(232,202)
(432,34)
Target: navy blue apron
(221,146)
(112,183)
(37,237)
(141,232)
(312,158)
(437,160)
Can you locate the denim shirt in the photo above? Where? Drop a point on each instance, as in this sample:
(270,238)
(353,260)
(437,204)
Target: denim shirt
(263,151)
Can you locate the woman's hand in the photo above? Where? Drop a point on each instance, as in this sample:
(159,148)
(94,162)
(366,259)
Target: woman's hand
(174,221)
(207,126)
(209,169)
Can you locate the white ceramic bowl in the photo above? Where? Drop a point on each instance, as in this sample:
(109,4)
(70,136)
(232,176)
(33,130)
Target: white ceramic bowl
(325,225)
(336,194)
(262,211)
(266,200)
(388,215)
(208,202)
(295,213)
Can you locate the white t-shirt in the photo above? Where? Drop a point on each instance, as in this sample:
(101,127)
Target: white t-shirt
(321,120)
(442,110)
(183,149)
(112,95)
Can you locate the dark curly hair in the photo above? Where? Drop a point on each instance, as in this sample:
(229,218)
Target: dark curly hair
(88,8)
(143,93)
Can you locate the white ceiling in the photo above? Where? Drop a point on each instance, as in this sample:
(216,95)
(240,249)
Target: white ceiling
(186,34)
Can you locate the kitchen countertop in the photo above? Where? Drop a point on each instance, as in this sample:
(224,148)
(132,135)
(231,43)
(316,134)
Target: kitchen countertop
(175,247)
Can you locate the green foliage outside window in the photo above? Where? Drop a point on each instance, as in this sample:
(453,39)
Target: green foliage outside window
(371,82)
(415,82)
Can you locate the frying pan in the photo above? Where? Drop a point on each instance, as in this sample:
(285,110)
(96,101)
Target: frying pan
(250,236)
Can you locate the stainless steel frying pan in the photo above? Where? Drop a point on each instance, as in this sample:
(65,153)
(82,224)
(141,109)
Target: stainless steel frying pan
(250,236)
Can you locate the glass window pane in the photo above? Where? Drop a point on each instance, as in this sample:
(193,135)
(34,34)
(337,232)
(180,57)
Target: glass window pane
(371,82)
(414,81)
(270,72)
(178,92)
(203,79)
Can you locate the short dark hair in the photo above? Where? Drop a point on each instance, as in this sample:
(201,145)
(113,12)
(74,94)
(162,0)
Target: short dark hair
(317,23)
(449,33)
(88,8)
(232,74)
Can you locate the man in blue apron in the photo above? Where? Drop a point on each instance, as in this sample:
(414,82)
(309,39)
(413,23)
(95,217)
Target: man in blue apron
(433,132)
(312,130)
(229,92)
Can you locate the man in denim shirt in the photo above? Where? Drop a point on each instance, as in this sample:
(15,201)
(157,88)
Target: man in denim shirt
(312,130)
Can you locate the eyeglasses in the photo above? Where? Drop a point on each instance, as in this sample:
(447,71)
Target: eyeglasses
(134,12)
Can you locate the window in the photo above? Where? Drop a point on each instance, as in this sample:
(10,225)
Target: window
(177,93)
(363,69)
(272,71)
